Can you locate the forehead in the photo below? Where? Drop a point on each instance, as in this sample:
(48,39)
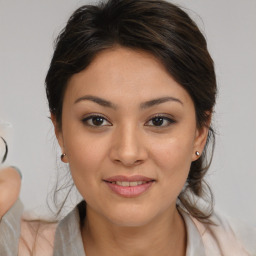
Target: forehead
(124,75)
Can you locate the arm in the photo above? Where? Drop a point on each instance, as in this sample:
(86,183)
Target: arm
(10,183)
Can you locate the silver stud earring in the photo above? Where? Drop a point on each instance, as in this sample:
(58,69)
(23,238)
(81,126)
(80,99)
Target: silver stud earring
(197,153)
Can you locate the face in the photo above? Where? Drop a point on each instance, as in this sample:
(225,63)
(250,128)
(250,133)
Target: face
(129,133)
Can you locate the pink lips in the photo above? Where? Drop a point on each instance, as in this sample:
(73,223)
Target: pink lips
(129,186)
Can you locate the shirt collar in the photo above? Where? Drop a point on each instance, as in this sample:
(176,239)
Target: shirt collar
(68,240)
(195,246)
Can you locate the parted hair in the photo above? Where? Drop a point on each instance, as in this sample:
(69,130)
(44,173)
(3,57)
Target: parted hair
(161,29)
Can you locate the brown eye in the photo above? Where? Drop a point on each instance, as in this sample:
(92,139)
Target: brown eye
(158,121)
(161,121)
(95,121)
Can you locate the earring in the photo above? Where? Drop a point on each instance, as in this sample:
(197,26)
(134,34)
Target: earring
(197,153)
(62,156)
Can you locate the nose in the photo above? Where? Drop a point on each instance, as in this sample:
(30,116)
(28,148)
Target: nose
(127,146)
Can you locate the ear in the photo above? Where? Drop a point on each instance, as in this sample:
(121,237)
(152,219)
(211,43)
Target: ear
(200,139)
(59,136)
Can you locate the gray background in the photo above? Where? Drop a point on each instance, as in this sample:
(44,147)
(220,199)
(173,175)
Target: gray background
(27,32)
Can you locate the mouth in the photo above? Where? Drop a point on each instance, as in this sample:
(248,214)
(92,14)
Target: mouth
(129,184)
(132,186)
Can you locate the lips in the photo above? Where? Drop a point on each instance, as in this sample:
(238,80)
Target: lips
(128,178)
(131,186)
(127,183)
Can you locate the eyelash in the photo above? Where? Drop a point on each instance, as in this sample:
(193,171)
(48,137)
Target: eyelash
(86,119)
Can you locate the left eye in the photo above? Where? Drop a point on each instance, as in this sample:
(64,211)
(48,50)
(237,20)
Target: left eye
(96,121)
(161,121)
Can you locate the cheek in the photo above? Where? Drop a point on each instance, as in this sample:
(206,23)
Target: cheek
(85,156)
(173,158)
(173,152)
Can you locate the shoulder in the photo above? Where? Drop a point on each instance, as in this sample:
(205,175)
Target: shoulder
(228,236)
(37,237)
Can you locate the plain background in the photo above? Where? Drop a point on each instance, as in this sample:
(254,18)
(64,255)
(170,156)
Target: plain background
(27,31)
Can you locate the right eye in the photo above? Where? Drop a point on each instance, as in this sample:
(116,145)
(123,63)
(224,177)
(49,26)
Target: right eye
(95,121)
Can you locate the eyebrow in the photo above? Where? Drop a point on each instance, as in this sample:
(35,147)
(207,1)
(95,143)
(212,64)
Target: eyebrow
(144,105)
(100,101)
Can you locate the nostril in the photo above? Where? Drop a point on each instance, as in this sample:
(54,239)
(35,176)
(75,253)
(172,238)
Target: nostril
(129,163)
(138,161)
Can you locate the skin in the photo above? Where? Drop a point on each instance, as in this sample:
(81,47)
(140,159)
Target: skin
(128,143)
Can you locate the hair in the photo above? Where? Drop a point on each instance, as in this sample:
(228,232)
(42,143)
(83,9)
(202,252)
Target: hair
(161,29)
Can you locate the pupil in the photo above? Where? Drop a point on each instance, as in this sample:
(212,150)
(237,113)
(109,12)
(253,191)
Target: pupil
(158,121)
(97,120)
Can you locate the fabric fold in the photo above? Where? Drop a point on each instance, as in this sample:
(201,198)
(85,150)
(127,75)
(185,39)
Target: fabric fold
(68,239)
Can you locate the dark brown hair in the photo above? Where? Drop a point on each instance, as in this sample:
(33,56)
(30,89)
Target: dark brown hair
(159,28)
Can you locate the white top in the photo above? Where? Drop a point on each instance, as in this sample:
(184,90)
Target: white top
(227,238)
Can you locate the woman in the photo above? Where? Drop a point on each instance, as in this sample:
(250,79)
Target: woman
(131,90)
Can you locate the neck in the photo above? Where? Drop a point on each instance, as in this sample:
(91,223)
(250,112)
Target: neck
(165,236)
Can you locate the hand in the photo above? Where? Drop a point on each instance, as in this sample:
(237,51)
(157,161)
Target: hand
(10,183)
